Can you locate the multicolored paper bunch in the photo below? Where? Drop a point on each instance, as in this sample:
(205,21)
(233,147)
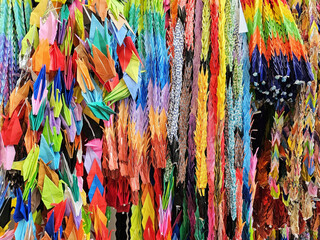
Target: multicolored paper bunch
(158,119)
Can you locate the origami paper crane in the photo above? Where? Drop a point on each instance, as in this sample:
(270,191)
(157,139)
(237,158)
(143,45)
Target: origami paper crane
(47,154)
(48,30)
(39,91)
(7,155)
(94,100)
(31,39)
(19,95)
(41,57)
(57,59)
(46,171)
(55,98)
(51,193)
(11,130)
(53,138)
(23,216)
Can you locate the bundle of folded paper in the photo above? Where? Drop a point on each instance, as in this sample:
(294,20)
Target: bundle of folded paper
(193,119)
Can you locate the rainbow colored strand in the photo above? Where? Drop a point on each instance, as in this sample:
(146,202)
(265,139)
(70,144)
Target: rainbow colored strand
(274,42)
(7,39)
(122,137)
(158,91)
(275,154)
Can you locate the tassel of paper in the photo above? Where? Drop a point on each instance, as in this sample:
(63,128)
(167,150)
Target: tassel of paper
(253,12)
(237,89)
(275,154)
(136,224)
(192,117)
(200,135)
(4,52)
(304,14)
(189,29)
(158,91)
(183,122)
(176,85)
(239,184)
(309,126)
(144,157)
(27,12)
(229,31)
(12,66)
(186,92)
(220,146)
(135,149)
(295,142)
(297,54)
(221,88)
(237,86)
(252,184)
(161,88)
(196,66)
(172,23)
(19,20)
(171,26)
(276,46)
(148,200)
(212,116)
(165,207)
(139,164)
(148,212)
(248,169)
(312,107)
(230,182)
(110,137)
(18,34)
(309,158)
(313,37)
(306,21)
(263,201)
(122,136)
(132,14)
(205,37)
(240,223)
(158,150)
(176,132)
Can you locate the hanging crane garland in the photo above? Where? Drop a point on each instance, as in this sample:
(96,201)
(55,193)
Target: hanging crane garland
(193,119)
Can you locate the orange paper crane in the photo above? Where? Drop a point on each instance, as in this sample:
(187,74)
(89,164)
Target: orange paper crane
(104,65)
(41,56)
(99,221)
